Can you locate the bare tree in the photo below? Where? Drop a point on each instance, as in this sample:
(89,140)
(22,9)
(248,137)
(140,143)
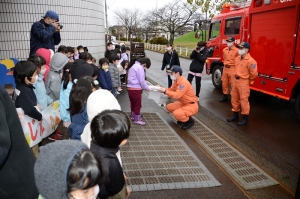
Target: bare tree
(149,25)
(172,17)
(129,19)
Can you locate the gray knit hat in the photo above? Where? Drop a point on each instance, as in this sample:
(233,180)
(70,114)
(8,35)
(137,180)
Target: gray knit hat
(51,167)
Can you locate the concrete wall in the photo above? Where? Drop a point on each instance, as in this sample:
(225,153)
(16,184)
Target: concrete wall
(83,22)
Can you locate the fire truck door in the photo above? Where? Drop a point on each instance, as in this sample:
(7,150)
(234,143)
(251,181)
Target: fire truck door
(296,60)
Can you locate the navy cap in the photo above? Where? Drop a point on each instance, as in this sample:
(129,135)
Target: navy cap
(244,45)
(176,69)
(230,39)
(52,15)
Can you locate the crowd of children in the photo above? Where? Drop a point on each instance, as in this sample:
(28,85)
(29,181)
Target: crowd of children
(89,110)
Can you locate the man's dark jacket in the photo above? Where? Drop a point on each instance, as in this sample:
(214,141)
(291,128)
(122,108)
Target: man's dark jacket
(198,60)
(16,158)
(167,59)
(43,35)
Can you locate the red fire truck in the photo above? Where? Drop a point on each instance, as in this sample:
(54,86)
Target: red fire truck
(272,27)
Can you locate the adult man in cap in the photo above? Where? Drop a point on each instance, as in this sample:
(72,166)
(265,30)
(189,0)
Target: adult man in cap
(45,33)
(186,104)
(229,55)
(245,72)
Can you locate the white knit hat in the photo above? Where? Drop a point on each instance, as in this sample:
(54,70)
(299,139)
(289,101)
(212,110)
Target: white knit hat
(97,102)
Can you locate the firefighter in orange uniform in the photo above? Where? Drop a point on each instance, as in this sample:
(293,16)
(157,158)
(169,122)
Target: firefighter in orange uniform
(229,55)
(245,72)
(187,105)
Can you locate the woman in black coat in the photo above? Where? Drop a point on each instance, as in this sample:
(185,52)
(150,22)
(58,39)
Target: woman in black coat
(16,158)
(198,56)
(170,59)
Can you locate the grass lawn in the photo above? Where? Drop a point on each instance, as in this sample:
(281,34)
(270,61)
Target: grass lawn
(187,40)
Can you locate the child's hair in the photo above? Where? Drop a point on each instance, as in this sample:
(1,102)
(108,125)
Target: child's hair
(70,49)
(85,56)
(38,60)
(109,128)
(124,62)
(79,47)
(96,70)
(113,57)
(117,46)
(146,61)
(85,49)
(102,61)
(62,49)
(94,60)
(80,93)
(84,166)
(22,70)
(123,49)
(66,74)
(127,48)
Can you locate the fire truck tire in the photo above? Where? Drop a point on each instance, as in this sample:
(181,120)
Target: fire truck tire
(216,77)
(297,106)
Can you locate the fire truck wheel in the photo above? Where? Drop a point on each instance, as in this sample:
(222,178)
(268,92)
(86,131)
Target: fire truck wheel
(297,106)
(216,77)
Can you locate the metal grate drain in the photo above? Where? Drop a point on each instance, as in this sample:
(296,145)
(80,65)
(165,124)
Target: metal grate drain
(245,172)
(156,158)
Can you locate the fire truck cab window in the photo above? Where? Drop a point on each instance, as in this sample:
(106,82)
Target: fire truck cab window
(232,26)
(215,29)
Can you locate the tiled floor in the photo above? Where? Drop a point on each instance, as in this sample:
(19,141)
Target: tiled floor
(156,158)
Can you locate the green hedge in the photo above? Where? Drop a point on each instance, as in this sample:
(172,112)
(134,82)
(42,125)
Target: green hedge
(159,40)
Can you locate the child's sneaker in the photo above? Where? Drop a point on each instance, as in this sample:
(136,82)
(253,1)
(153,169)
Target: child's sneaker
(138,120)
(132,116)
(58,135)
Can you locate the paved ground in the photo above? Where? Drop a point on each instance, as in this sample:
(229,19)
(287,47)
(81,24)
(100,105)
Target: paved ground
(228,188)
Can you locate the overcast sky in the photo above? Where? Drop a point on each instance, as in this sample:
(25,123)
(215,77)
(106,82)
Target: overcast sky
(143,5)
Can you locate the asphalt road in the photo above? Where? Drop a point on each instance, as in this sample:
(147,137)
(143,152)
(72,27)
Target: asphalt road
(272,122)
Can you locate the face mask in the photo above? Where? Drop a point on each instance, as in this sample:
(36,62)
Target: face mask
(104,67)
(113,47)
(201,48)
(173,77)
(96,192)
(43,71)
(81,51)
(168,48)
(35,79)
(241,52)
(229,44)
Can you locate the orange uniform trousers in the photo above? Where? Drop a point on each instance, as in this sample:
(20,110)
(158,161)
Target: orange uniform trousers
(239,96)
(227,79)
(182,112)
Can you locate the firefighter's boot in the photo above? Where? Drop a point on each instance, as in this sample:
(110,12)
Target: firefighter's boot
(224,98)
(234,117)
(244,120)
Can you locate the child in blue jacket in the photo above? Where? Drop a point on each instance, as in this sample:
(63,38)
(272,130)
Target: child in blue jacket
(43,99)
(65,89)
(78,98)
(104,78)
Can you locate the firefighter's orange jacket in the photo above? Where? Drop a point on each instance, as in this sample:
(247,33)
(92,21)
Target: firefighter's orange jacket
(182,90)
(245,68)
(230,55)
